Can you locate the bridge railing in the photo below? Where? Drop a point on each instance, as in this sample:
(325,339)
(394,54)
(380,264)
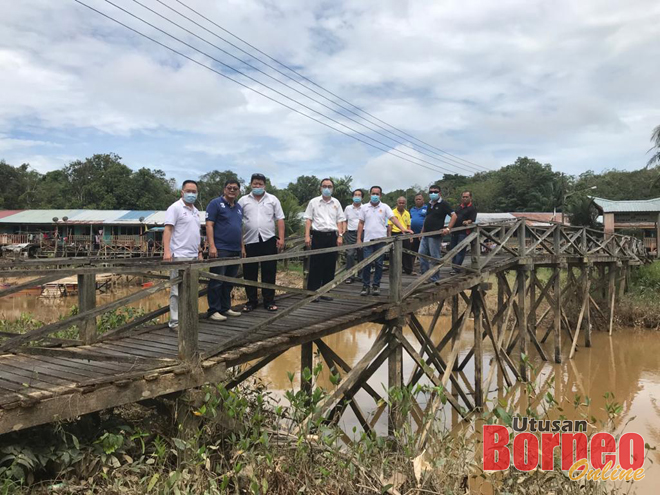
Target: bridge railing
(489,243)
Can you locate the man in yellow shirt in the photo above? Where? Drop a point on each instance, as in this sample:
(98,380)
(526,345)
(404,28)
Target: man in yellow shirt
(403,215)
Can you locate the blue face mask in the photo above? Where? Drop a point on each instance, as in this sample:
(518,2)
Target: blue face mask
(327,192)
(258,191)
(190,198)
(375,199)
(357,199)
(434,196)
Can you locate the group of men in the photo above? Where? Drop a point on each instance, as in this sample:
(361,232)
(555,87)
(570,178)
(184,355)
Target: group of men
(253,226)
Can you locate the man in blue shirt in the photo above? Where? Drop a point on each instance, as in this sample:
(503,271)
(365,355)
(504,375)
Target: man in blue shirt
(224,231)
(417,217)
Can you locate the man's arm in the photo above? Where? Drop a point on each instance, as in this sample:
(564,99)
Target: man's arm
(399,225)
(167,237)
(280,235)
(451,223)
(213,251)
(389,229)
(308,233)
(359,232)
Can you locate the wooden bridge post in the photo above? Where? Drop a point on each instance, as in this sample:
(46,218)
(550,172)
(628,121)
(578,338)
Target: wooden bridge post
(87,301)
(522,318)
(475,251)
(611,292)
(395,380)
(478,350)
(501,278)
(587,310)
(556,272)
(522,241)
(306,362)
(532,300)
(396,269)
(189,315)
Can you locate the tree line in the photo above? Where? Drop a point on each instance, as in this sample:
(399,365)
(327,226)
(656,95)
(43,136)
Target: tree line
(103,181)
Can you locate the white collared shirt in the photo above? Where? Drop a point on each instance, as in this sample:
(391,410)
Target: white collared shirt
(259,217)
(375,220)
(325,215)
(352,214)
(186,236)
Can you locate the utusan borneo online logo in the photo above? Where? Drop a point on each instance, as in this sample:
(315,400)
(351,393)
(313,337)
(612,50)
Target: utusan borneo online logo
(534,444)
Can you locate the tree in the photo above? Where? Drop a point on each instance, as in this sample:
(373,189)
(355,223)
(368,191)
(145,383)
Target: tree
(581,211)
(343,190)
(305,188)
(655,139)
(293,221)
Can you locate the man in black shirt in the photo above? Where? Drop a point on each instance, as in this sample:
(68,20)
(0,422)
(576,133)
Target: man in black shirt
(436,214)
(466,214)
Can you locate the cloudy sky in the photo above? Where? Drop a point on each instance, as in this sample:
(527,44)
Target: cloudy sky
(575,84)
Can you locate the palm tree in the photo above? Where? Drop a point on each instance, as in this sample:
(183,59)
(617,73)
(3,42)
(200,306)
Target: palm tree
(655,159)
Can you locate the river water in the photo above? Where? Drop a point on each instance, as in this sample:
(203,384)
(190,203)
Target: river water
(626,366)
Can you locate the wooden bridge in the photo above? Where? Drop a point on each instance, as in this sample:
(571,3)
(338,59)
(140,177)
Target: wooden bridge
(45,379)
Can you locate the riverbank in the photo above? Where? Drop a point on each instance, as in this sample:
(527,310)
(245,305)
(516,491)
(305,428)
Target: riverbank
(640,305)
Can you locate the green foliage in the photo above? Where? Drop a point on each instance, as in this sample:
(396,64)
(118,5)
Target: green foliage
(305,188)
(581,211)
(212,184)
(655,139)
(293,222)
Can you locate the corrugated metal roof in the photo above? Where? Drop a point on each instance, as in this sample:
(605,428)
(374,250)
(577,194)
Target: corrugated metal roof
(40,216)
(6,213)
(134,215)
(158,218)
(630,206)
(97,216)
(483,218)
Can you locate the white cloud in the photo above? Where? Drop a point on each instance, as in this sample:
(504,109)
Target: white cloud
(573,84)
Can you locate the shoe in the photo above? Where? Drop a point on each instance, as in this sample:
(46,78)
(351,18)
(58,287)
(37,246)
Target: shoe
(348,281)
(326,298)
(231,312)
(175,328)
(375,290)
(217,317)
(365,291)
(454,272)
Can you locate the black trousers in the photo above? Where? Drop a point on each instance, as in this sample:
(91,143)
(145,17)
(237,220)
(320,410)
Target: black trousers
(322,266)
(268,270)
(408,259)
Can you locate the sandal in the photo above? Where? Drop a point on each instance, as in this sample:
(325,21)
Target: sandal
(271,307)
(249,307)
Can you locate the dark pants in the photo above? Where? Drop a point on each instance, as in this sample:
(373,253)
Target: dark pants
(268,270)
(353,256)
(408,259)
(377,264)
(322,266)
(219,295)
(456,239)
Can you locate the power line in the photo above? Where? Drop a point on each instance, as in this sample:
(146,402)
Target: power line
(173,50)
(437,167)
(443,159)
(321,87)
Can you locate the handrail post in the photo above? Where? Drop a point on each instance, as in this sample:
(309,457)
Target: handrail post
(396,268)
(522,242)
(583,241)
(87,301)
(475,250)
(556,241)
(189,315)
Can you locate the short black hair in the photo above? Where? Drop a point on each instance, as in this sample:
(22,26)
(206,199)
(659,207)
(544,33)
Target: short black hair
(435,186)
(189,181)
(358,190)
(328,178)
(232,181)
(420,194)
(380,189)
(260,177)
(469,192)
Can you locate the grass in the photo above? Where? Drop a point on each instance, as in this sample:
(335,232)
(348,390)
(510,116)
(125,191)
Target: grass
(245,441)
(640,306)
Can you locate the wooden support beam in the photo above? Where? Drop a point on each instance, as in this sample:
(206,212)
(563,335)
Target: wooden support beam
(87,302)
(396,269)
(306,363)
(532,300)
(611,290)
(587,312)
(37,282)
(556,326)
(251,370)
(394,382)
(522,319)
(478,351)
(585,304)
(189,315)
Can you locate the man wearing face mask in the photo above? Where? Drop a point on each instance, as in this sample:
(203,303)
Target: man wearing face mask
(181,239)
(261,213)
(324,222)
(437,211)
(352,214)
(373,223)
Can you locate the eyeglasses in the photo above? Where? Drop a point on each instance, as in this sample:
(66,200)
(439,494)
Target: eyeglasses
(234,188)
(431,192)
(466,197)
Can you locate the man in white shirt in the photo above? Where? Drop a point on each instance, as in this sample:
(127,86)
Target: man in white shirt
(352,214)
(324,221)
(181,239)
(261,212)
(373,223)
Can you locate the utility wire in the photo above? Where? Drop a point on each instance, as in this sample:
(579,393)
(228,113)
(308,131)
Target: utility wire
(173,50)
(442,158)
(437,167)
(429,146)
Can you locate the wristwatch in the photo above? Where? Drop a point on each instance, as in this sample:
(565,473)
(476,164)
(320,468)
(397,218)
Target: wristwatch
(341,235)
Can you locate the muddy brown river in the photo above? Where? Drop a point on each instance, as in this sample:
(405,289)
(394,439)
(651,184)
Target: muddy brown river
(627,365)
